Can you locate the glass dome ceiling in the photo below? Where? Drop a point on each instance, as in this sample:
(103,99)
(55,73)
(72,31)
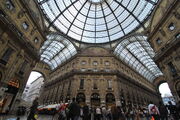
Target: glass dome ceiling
(56,50)
(138,54)
(96,21)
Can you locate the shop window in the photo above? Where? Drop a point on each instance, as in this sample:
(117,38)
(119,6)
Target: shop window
(6,56)
(25,25)
(9,4)
(177,36)
(81,84)
(172,68)
(158,41)
(36,40)
(23,68)
(107,63)
(171,26)
(95,63)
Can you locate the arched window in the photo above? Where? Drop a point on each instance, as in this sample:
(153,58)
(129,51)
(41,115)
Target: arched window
(81,97)
(110,99)
(95,99)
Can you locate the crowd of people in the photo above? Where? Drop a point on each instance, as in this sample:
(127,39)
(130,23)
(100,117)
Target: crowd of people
(74,111)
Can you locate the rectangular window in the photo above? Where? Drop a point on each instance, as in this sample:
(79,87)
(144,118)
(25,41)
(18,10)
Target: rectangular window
(158,41)
(83,62)
(177,36)
(95,85)
(25,25)
(81,84)
(171,26)
(109,84)
(2,13)
(69,85)
(95,63)
(172,68)
(36,40)
(23,67)
(6,56)
(9,4)
(107,63)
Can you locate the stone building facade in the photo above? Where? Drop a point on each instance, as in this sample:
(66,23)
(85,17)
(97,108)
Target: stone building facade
(165,39)
(96,77)
(20,39)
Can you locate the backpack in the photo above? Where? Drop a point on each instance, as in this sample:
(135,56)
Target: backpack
(154,110)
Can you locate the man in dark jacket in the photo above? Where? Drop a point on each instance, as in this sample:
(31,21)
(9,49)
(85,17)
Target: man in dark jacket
(163,111)
(173,110)
(86,112)
(74,110)
(33,110)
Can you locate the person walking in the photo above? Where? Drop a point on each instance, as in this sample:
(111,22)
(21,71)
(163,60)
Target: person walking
(178,107)
(173,111)
(163,111)
(74,110)
(86,112)
(115,113)
(153,111)
(33,110)
(104,112)
(98,113)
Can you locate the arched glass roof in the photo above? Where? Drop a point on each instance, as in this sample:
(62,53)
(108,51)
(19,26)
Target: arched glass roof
(56,50)
(137,53)
(96,21)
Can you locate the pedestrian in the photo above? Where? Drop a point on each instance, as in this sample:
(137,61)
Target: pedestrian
(98,113)
(178,107)
(85,112)
(163,111)
(121,113)
(115,112)
(153,111)
(109,115)
(104,112)
(33,110)
(74,110)
(173,111)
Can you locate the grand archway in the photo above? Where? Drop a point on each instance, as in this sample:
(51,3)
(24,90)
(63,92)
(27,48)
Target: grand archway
(165,92)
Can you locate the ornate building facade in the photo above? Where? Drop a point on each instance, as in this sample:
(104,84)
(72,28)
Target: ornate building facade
(165,39)
(20,39)
(97,77)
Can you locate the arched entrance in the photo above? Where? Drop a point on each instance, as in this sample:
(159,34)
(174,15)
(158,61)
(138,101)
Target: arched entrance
(81,98)
(110,99)
(166,93)
(95,99)
(9,95)
(34,85)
